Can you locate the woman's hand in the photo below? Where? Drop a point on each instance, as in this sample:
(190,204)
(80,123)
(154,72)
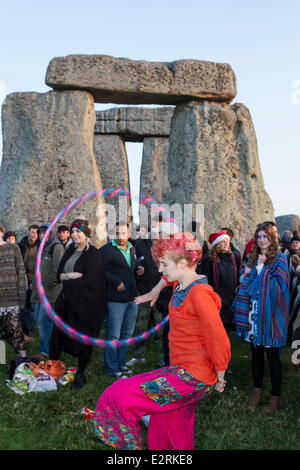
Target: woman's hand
(76,275)
(151,297)
(221,382)
(261,259)
(68,276)
(220,385)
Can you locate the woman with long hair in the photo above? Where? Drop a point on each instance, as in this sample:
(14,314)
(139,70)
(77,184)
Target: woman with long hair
(81,303)
(199,354)
(262,311)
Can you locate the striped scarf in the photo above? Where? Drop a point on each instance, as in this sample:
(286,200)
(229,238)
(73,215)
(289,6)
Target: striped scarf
(271,291)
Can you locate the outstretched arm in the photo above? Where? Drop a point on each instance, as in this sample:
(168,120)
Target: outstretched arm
(153,295)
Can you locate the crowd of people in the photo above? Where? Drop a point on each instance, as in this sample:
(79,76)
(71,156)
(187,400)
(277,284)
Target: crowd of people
(209,289)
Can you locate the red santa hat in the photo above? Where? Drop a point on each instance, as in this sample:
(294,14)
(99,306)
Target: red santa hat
(215,238)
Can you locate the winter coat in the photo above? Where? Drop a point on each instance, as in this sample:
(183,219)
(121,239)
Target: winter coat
(50,259)
(224,278)
(117,270)
(12,276)
(81,303)
(29,253)
(151,276)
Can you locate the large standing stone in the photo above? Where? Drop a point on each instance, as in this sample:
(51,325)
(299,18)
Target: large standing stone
(48,158)
(135,123)
(111,159)
(288,222)
(126,81)
(154,181)
(213,160)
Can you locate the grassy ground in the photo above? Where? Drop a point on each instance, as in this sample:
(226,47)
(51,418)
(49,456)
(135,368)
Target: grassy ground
(40,421)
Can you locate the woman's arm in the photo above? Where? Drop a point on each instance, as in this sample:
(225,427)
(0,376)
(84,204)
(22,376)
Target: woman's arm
(153,295)
(68,276)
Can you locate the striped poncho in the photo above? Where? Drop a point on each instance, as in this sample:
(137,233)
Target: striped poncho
(270,289)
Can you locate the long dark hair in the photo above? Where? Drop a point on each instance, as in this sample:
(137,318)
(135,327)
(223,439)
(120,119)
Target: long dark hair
(273,247)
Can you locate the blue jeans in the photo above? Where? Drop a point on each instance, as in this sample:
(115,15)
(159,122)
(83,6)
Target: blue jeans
(44,325)
(120,324)
(27,315)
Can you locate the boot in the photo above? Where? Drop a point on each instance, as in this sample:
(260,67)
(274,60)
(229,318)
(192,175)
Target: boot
(79,382)
(274,405)
(255,399)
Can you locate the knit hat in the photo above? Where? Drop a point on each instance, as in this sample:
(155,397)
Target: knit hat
(82,225)
(62,228)
(215,238)
(295,239)
(43,228)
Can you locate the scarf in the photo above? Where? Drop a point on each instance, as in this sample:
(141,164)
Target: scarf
(271,291)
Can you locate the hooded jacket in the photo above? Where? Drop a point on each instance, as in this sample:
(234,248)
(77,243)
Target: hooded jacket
(51,256)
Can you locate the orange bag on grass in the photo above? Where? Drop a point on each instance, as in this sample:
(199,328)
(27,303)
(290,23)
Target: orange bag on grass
(54,368)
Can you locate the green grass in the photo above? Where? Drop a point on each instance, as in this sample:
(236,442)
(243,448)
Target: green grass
(52,420)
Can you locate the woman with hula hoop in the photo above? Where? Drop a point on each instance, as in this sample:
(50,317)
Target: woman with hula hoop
(199,356)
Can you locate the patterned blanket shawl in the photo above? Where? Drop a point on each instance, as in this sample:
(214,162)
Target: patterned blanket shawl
(271,291)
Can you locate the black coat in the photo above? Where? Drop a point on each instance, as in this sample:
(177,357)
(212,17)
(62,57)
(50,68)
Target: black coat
(81,304)
(151,276)
(227,282)
(116,271)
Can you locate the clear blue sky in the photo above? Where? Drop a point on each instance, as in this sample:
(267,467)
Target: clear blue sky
(259,39)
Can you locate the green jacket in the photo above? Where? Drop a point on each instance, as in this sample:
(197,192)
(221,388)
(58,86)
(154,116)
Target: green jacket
(51,257)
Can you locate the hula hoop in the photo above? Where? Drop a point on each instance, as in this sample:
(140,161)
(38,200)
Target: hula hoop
(57,320)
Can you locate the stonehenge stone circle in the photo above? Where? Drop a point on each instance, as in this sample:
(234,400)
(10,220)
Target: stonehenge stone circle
(121,80)
(199,149)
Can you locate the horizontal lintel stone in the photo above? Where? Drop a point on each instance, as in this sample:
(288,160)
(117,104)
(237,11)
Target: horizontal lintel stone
(127,81)
(135,123)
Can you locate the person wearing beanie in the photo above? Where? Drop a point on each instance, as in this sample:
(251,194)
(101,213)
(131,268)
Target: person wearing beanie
(64,237)
(81,302)
(222,266)
(295,244)
(51,257)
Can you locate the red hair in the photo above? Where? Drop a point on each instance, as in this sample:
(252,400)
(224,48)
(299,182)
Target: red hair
(183,246)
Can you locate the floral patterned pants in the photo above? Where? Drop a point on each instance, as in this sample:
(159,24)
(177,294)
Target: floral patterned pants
(169,395)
